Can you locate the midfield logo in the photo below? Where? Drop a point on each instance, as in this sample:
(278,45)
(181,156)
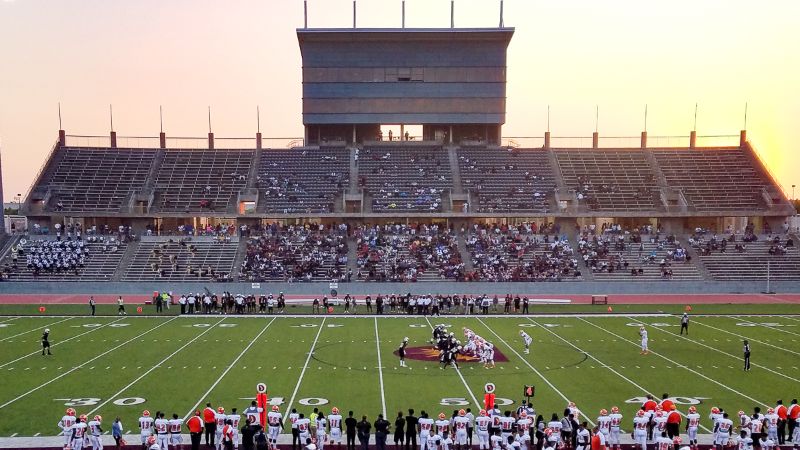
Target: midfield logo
(431,354)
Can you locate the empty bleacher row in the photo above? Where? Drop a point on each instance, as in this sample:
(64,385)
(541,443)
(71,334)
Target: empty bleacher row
(753,261)
(512,180)
(181,260)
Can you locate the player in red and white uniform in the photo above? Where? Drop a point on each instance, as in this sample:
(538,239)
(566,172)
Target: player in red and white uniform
(145,426)
(604,424)
(95,432)
(692,424)
(524,422)
(461,423)
(506,426)
(616,423)
(497,442)
(677,444)
(78,433)
(161,425)
(235,418)
(275,422)
(555,428)
(321,427)
(425,429)
(573,409)
(756,426)
(715,415)
(482,429)
(640,423)
(744,422)
(219,418)
(335,424)
(523,438)
(66,424)
(175,425)
(303,427)
(442,425)
(663,442)
(745,442)
(660,423)
(151,443)
(722,431)
(766,443)
(772,424)
(228,434)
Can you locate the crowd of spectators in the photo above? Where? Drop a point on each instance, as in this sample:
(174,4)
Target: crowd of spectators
(407,253)
(295,253)
(408,181)
(707,242)
(294,191)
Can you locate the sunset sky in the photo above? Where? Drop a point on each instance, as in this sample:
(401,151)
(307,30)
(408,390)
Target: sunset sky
(236,54)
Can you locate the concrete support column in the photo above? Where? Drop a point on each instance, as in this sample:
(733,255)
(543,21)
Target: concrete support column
(595,140)
(742,138)
(451,134)
(644,139)
(211,141)
(546,139)
(258,140)
(62,138)
(113,139)
(162,140)
(693,139)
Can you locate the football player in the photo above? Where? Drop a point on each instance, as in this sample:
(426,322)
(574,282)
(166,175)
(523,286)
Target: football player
(146,428)
(660,423)
(335,425)
(461,423)
(604,424)
(321,425)
(527,340)
(219,418)
(442,425)
(303,427)
(161,426)
(275,421)
(488,355)
(425,429)
(523,438)
(771,420)
(692,423)
(616,421)
(744,422)
(95,432)
(78,433)
(66,424)
(745,442)
(640,423)
(151,444)
(643,335)
(722,431)
(482,425)
(506,426)
(663,442)
(175,425)
(235,418)
(46,341)
(401,352)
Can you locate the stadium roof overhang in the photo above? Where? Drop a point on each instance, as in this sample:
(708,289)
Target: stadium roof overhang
(406,34)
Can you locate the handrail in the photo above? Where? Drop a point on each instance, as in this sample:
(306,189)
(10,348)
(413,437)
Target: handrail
(42,168)
(764,164)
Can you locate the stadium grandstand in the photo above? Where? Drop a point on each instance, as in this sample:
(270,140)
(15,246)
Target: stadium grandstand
(348,203)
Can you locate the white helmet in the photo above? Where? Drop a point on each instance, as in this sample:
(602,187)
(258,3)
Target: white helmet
(405,339)
(47,330)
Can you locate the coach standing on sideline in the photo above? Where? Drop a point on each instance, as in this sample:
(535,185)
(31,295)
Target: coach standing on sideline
(781,411)
(381,432)
(685,323)
(411,430)
(210,424)
(195,425)
(746,350)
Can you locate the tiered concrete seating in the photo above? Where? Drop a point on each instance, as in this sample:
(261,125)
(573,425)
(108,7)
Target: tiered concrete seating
(518,180)
(752,264)
(187,179)
(197,259)
(302,180)
(97,179)
(405,179)
(647,256)
(609,180)
(98,263)
(713,179)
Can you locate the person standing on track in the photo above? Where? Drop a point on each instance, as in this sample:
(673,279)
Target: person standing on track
(411,430)
(685,323)
(210,424)
(746,350)
(121,307)
(350,430)
(195,425)
(46,341)
(92,304)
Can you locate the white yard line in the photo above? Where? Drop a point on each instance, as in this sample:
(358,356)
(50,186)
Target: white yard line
(748,338)
(10,319)
(721,352)
(680,365)
(763,325)
(152,368)
(602,364)
(555,389)
(35,329)
(305,366)
(61,342)
(458,371)
(86,362)
(380,367)
(227,369)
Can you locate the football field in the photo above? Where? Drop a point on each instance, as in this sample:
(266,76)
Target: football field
(118,366)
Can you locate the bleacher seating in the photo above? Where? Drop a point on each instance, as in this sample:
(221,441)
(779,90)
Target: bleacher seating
(518,180)
(91,261)
(405,179)
(201,180)
(752,263)
(196,259)
(97,179)
(713,179)
(302,180)
(609,180)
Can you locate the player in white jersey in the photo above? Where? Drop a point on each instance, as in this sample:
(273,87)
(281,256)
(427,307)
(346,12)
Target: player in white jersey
(715,415)
(692,424)
(555,427)
(643,336)
(151,443)
(175,425)
(745,442)
(796,433)
(524,422)
(506,426)
(253,413)
(604,424)
(583,439)
(772,424)
(482,428)
(766,443)
(512,443)
(660,423)
(275,422)
(722,431)
(321,426)
(496,441)
(219,418)
(425,429)
(303,427)
(640,423)
(145,426)
(96,432)
(66,424)
(235,418)
(460,423)
(616,422)
(663,442)
(335,424)
(446,443)
(78,433)
(488,355)
(676,444)
(573,409)
(526,339)
(442,425)
(161,427)
(744,422)
(523,438)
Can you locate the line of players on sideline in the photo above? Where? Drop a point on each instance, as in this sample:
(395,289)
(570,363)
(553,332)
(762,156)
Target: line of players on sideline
(655,423)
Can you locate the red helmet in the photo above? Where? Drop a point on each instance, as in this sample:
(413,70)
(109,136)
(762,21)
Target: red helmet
(70,411)
(770,410)
(275,408)
(463,413)
(335,410)
(220,410)
(640,413)
(98,418)
(614,410)
(677,440)
(523,414)
(548,431)
(151,440)
(603,412)
(715,410)
(82,418)
(482,413)
(442,416)
(692,409)
(145,413)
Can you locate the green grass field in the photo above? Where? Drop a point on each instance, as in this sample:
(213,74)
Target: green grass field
(118,366)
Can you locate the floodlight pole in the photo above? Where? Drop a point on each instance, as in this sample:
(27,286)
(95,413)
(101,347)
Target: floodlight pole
(403,13)
(305,13)
(452,13)
(768,291)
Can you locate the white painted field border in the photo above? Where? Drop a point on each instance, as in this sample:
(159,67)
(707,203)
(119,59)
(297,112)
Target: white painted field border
(85,363)
(153,368)
(604,365)
(9,319)
(305,366)
(230,366)
(458,371)
(790,317)
(680,365)
(717,350)
(380,367)
(748,338)
(420,316)
(35,329)
(61,342)
(555,389)
(765,326)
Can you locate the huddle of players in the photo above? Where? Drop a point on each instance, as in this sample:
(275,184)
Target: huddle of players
(449,347)
(80,432)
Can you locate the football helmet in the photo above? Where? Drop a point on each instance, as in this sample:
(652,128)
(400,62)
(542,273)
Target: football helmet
(462,412)
(70,411)
(770,410)
(614,410)
(98,418)
(275,408)
(692,409)
(603,412)
(442,416)
(640,413)
(82,418)
(741,413)
(47,330)
(151,440)
(677,440)
(523,414)
(335,410)
(145,413)
(715,410)
(220,410)
(483,413)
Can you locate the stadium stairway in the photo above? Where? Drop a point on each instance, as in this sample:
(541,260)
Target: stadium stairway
(127,257)
(452,154)
(466,257)
(241,254)
(353,188)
